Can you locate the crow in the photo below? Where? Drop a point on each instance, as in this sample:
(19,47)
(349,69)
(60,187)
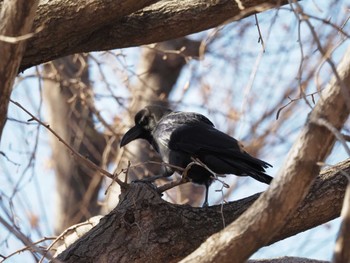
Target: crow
(183,138)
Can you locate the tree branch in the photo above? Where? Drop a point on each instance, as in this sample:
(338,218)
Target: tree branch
(84,31)
(143,227)
(16,19)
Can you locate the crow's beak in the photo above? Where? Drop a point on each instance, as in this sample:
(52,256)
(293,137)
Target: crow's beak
(132,134)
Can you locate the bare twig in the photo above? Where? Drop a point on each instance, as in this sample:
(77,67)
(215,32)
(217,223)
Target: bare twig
(215,175)
(343,87)
(27,247)
(92,222)
(172,184)
(81,158)
(15,40)
(243,13)
(293,100)
(8,159)
(25,240)
(260,39)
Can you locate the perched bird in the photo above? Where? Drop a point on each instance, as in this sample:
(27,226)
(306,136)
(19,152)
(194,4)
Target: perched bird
(181,137)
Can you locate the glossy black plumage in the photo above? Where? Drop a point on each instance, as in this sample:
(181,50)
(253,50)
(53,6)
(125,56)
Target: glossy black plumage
(180,136)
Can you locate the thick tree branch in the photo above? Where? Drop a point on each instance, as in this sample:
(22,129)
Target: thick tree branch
(96,28)
(16,19)
(254,229)
(143,227)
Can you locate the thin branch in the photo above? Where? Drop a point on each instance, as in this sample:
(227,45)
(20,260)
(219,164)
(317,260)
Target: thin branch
(90,222)
(25,240)
(345,91)
(28,247)
(260,39)
(172,184)
(81,158)
(15,40)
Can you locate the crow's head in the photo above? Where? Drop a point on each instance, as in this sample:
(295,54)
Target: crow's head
(145,121)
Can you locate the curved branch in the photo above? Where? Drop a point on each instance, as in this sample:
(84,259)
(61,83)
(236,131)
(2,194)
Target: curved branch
(89,28)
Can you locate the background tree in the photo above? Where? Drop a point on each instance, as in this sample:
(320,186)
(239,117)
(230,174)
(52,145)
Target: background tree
(89,101)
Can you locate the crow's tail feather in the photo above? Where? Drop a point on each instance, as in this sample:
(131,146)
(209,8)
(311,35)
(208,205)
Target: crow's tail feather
(261,177)
(252,167)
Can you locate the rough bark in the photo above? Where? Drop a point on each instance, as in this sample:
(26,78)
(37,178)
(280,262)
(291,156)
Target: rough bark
(254,229)
(67,96)
(342,245)
(120,28)
(145,228)
(16,18)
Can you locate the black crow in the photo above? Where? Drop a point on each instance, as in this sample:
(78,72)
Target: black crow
(182,137)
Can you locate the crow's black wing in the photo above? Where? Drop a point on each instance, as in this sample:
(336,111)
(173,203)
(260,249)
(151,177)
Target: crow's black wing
(220,152)
(179,118)
(171,122)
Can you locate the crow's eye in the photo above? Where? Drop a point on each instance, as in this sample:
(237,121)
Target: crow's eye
(143,121)
(141,118)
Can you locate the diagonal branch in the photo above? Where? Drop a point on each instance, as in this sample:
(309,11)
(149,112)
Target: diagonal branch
(76,154)
(254,229)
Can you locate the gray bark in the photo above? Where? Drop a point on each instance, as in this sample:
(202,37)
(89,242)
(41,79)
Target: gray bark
(145,228)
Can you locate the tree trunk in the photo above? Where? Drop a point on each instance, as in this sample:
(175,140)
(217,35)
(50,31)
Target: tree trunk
(67,95)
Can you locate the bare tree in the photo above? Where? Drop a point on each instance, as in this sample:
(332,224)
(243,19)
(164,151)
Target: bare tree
(140,224)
